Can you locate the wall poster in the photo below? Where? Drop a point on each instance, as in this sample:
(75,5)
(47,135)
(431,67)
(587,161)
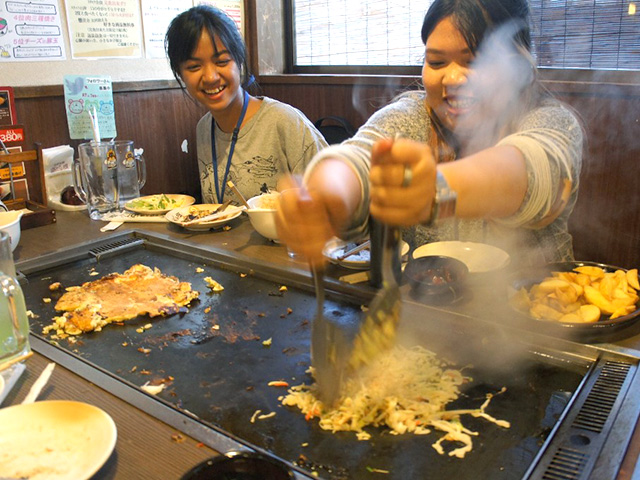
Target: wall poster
(156,17)
(30,30)
(104,28)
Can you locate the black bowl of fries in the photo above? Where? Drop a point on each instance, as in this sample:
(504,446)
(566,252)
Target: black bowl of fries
(585,298)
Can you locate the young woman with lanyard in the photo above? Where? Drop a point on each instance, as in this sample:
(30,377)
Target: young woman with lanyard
(251,141)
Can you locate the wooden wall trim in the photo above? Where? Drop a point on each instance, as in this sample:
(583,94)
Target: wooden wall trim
(118,87)
(577,81)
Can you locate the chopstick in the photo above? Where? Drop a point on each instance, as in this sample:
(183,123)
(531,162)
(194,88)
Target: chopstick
(8,363)
(356,249)
(237,192)
(39,384)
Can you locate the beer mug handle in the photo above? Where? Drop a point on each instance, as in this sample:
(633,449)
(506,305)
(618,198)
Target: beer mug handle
(77,180)
(142,170)
(11,289)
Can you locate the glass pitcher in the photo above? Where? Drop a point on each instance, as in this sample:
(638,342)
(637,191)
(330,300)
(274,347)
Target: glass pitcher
(14,324)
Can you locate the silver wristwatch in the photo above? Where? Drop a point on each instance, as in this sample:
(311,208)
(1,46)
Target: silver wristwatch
(444,202)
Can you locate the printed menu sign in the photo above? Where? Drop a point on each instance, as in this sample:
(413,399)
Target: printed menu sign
(83,94)
(233,8)
(157,15)
(30,31)
(104,28)
(7,106)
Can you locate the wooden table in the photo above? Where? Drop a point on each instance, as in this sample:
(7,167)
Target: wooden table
(147,447)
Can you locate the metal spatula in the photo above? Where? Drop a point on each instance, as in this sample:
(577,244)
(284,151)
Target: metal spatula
(377,331)
(329,347)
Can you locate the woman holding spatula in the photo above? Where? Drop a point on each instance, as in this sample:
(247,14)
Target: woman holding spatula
(482,154)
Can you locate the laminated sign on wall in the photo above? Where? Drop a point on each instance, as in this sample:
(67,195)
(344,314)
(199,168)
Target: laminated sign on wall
(89,93)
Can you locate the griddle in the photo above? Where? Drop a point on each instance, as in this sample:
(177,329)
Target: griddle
(563,400)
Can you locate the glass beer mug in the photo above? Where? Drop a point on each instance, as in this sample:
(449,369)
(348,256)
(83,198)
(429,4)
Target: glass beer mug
(95,177)
(132,171)
(14,324)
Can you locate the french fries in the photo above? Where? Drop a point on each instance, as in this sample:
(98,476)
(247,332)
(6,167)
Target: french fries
(583,295)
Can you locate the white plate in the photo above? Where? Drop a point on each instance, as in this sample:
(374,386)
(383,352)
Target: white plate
(357,261)
(183,199)
(178,215)
(55,440)
(479,257)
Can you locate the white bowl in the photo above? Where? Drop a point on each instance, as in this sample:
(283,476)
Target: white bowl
(479,257)
(10,223)
(263,219)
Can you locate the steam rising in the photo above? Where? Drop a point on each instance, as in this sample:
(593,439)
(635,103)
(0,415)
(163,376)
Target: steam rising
(500,77)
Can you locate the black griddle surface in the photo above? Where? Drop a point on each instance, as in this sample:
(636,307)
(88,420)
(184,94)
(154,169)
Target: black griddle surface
(218,369)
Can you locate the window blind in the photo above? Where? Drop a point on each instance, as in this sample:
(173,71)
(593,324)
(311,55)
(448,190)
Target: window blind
(585,34)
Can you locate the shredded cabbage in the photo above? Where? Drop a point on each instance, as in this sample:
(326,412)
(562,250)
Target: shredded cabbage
(403,389)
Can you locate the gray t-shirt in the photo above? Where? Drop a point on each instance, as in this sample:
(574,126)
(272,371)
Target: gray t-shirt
(278,139)
(549,137)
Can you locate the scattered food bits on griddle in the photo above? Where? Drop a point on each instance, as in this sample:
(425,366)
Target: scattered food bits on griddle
(207,310)
(55,286)
(255,415)
(178,438)
(213,285)
(413,400)
(144,350)
(267,342)
(46,300)
(153,389)
(283,288)
(242,275)
(278,383)
(377,470)
(199,270)
(116,297)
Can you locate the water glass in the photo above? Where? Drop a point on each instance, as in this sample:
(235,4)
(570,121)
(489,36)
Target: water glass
(14,324)
(132,172)
(95,176)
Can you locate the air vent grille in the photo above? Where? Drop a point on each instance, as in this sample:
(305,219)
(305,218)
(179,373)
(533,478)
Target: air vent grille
(596,409)
(114,247)
(567,464)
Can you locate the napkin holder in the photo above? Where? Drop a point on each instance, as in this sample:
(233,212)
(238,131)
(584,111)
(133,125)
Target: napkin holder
(36,212)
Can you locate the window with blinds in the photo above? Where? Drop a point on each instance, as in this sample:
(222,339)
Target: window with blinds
(584,34)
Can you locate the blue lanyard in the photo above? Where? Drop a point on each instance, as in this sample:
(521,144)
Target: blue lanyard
(234,139)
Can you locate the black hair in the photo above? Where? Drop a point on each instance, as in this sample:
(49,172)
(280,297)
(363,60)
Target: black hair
(477,18)
(185,31)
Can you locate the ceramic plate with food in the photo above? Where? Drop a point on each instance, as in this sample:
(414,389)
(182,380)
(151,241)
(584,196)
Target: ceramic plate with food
(55,440)
(582,298)
(335,248)
(185,215)
(479,257)
(158,204)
